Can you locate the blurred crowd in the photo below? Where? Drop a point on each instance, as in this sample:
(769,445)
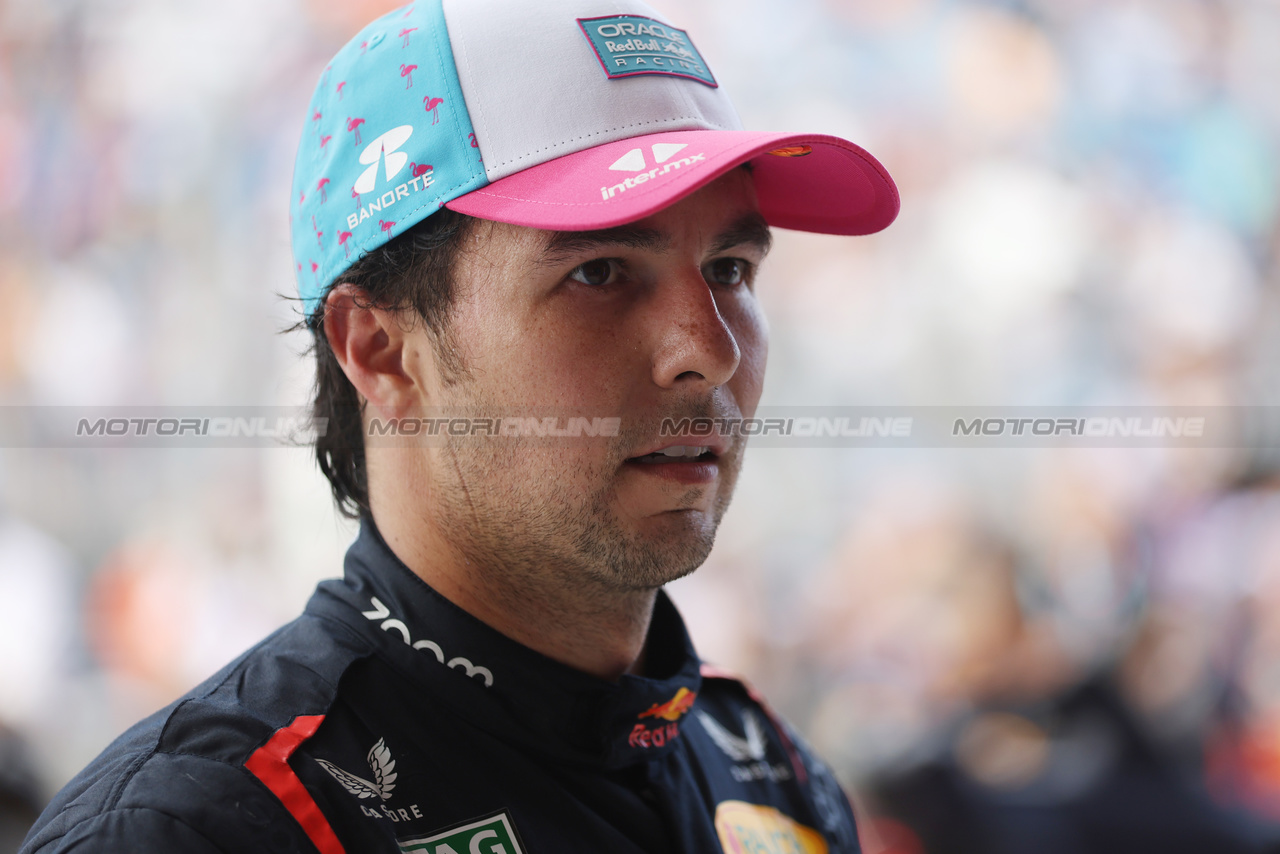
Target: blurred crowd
(998,650)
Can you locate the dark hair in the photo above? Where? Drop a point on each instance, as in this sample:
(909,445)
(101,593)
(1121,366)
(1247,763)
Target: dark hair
(411,272)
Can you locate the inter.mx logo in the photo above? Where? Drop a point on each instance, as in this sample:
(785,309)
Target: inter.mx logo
(634,161)
(494,834)
(385,152)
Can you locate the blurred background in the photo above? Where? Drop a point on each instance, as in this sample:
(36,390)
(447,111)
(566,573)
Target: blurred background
(1003,649)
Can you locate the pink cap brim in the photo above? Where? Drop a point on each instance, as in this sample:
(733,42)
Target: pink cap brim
(805,182)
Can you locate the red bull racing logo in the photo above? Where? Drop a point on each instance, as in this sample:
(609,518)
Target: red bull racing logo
(672,710)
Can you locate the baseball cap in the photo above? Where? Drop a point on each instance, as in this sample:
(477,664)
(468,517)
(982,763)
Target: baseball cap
(556,114)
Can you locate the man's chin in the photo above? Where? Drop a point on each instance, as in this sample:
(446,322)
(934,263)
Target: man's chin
(649,562)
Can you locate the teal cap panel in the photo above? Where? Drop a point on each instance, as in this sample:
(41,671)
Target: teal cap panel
(388,141)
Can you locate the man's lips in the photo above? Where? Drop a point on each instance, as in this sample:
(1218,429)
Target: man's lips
(686,460)
(676,454)
(683,449)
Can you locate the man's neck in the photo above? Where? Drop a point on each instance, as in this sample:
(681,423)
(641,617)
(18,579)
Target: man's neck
(596,631)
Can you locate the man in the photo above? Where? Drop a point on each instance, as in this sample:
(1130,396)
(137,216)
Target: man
(510,220)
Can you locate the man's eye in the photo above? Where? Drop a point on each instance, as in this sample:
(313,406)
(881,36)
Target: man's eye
(602,271)
(727,271)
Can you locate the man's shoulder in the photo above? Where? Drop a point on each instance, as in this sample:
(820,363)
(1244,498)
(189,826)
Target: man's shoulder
(766,758)
(180,775)
(151,801)
(728,704)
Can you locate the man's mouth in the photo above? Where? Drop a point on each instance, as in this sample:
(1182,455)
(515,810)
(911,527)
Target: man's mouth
(676,454)
(686,464)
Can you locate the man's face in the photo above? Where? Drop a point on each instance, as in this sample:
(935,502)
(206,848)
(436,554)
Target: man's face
(654,320)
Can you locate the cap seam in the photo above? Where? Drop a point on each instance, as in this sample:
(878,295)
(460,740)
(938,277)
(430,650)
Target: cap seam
(684,95)
(466,60)
(435,46)
(532,152)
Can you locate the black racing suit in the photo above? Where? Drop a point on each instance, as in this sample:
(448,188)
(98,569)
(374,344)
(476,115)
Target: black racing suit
(387,719)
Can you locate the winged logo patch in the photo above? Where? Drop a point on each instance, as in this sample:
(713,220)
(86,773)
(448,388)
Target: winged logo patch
(384,774)
(747,749)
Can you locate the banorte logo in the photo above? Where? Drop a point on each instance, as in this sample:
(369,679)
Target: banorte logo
(385,150)
(671,711)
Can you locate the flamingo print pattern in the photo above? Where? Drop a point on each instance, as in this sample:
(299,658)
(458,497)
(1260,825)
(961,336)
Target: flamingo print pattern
(388,51)
(430,104)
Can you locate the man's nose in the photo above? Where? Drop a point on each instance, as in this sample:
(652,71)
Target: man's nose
(694,343)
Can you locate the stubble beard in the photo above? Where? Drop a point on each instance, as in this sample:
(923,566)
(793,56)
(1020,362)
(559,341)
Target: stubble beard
(498,503)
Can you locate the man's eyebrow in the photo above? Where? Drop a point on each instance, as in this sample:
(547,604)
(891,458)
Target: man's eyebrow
(566,243)
(751,230)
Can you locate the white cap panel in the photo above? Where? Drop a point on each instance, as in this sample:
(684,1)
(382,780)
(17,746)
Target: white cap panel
(536,90)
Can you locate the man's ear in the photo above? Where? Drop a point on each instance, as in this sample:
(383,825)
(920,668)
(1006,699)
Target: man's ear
(369,344)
